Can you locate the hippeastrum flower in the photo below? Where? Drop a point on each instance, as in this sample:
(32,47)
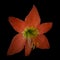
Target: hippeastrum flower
(30,33)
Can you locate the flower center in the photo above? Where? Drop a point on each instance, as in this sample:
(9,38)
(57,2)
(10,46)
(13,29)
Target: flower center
(30,32)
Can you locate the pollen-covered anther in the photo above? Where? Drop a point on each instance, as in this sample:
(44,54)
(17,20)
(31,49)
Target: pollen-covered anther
(33,46)
(37,43)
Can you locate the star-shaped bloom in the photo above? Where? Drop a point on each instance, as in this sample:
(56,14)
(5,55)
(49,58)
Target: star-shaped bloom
(30,33)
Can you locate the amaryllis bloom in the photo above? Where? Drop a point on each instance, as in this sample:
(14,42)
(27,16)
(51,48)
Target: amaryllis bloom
(30,33)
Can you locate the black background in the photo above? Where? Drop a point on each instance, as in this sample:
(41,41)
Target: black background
(48,11)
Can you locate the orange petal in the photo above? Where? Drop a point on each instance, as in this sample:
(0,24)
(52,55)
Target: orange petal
(17,24)
(45,27)
(42,42)
(28,48)
(33,18)
(16,45)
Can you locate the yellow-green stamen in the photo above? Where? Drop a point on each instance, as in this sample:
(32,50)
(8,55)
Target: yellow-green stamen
(28,33)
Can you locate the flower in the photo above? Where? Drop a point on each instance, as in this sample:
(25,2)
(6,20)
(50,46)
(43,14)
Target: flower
(30,33)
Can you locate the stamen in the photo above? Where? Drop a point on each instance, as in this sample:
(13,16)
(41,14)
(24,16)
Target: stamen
(38,43)
(33,46)
(29,42)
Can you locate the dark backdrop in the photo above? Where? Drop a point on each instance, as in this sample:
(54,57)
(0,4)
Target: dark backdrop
(48,11)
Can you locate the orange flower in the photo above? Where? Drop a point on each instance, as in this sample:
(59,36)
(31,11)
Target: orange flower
(30,33)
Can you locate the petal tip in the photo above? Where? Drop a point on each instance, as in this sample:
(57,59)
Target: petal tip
(10,17)
(34,6)
(48,47)
(9,52)
(50,24)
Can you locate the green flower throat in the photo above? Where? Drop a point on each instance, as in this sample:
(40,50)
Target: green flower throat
(30,32)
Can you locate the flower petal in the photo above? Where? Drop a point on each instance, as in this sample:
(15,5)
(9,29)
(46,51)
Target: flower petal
(16,45)
(45,27)
(41,42)
(28,48)
(17,24)
(33,18)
